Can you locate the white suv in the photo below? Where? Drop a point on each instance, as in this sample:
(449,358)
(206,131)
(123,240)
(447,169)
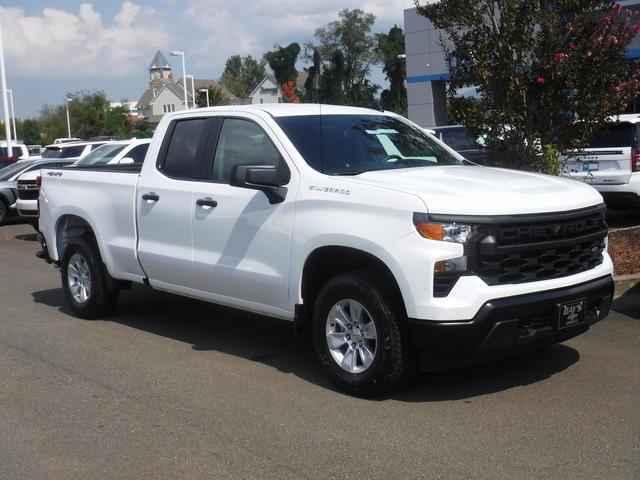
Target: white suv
(611,162)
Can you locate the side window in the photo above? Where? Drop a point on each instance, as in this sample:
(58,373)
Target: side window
(242,142)
(138,153)
(181,160)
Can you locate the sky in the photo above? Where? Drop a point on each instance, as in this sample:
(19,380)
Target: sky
(54,47)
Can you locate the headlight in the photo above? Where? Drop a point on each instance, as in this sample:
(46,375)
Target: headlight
(446,232)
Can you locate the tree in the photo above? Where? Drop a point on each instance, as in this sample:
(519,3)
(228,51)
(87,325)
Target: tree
(312,84)
(29,131)
(242,74)
(548,73)
(390,47)
(217,96)
(351,35)
(332,81)
(282,60)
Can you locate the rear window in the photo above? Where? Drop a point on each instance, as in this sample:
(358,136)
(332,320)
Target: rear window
(71,152)
(458,139)
(614,135)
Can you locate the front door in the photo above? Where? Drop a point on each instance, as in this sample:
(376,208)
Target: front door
(241,242)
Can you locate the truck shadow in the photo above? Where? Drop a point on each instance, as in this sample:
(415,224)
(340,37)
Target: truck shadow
(629,303)
(271,342)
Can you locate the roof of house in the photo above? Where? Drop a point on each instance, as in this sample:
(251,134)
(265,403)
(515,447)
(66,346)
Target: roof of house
(300,81)
(201,83)
(159,61)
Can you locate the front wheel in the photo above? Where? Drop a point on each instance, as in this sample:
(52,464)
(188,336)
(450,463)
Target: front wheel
(85,281)
(360,335)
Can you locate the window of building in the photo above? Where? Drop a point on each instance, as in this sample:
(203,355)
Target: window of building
(262,100)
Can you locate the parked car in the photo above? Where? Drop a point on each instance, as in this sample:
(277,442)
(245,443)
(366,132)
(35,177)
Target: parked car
(67,140)
(35,151)
(459,138)
(9,184)
(116,153)
(611,162)
(18,151)
(75,150)
(354,224)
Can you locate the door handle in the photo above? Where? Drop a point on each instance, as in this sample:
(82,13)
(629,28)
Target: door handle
(151,197)
(206,202)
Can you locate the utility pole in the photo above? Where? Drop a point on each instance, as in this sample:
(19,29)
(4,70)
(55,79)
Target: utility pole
(5,105)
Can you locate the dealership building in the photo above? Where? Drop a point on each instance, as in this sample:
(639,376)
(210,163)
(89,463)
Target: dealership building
(427,69)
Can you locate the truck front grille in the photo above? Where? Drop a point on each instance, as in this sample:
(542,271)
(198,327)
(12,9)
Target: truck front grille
(530,248)
(28,190)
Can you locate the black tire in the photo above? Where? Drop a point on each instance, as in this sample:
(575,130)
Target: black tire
(35,223)
(393,361)
(102,297)
(3,212)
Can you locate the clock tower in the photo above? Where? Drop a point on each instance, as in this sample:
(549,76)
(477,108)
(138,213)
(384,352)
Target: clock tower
(159,72)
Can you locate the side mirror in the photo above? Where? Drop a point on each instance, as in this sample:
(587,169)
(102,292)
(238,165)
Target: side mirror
(259,177)
(126,161)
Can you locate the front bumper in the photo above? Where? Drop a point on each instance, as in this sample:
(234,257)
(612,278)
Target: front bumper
(506,326)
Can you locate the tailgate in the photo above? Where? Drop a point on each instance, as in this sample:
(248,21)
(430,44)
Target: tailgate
(600,166)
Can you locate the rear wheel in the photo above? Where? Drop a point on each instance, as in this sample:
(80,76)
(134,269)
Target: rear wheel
(360,335)
(85,282)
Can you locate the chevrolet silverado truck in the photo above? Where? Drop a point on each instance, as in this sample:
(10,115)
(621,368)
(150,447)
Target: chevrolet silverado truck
(385,245)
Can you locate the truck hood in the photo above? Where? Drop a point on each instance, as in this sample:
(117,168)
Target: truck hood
(475,190)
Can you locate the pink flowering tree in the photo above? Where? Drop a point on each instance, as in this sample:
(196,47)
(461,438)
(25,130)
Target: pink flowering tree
(548,73)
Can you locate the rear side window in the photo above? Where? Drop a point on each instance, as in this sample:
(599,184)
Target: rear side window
(614,135)
(181,159)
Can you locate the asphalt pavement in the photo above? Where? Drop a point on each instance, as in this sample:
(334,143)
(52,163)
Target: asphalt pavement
(170,387)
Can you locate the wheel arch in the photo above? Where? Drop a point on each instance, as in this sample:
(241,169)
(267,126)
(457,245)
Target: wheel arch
(326,262)
(68,227)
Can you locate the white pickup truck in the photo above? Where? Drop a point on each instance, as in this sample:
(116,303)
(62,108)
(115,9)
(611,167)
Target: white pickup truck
(356,225)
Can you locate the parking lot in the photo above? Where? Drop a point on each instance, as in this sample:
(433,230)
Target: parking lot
(175,388)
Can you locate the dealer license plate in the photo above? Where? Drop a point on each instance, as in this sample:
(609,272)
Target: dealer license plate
(590,166)
(571,314)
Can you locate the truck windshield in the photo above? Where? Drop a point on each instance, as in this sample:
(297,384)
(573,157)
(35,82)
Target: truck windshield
(101,155)
(354,144)
(10,171)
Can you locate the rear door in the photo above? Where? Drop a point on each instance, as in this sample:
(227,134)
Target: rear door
(607,159)
(165,203)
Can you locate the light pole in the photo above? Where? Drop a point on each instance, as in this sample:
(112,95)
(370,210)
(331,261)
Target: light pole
(178,53)
(193,90)
(68,122)
(13,116)
(205,90)
(3,78)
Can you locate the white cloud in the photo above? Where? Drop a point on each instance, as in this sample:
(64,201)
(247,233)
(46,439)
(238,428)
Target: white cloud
(223,28)
(56,43)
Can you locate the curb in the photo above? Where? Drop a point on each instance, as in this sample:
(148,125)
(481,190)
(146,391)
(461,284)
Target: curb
(624,283)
